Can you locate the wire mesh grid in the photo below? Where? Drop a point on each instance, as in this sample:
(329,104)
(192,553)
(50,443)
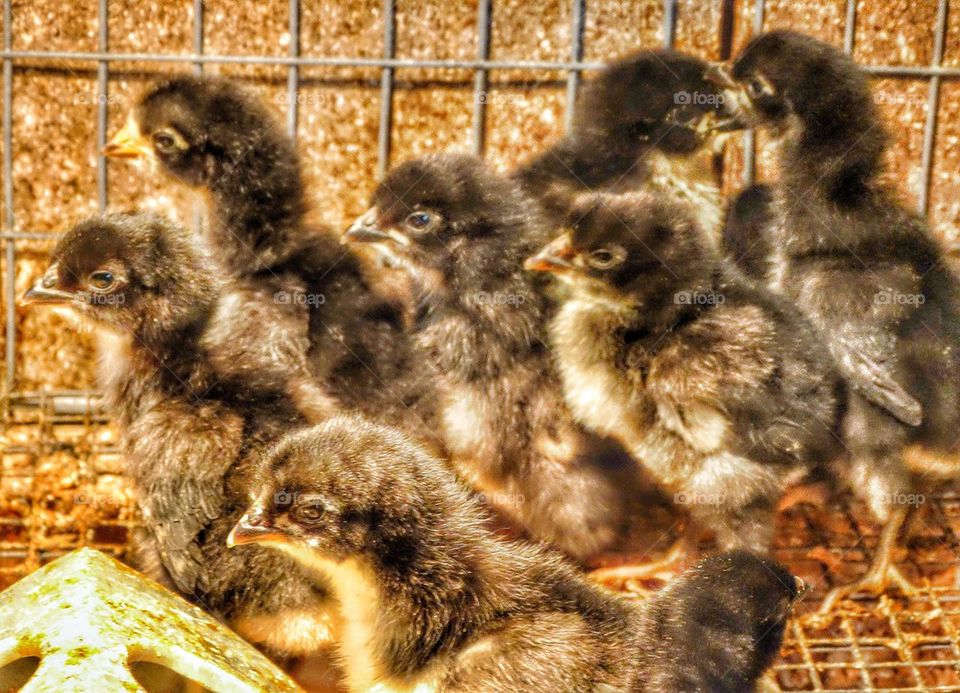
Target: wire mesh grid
(60,474)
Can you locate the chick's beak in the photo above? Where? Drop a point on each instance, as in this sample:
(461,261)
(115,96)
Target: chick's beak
(365,230)
(802,587)
(254,527)
(45,291)
(128,143)
(719,74)
(735,111)
(556,256)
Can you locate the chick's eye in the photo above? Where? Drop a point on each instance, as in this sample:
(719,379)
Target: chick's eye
(309,513)
(164,141)
(419,221)
(756,88)
(101,279)
(643,128)
(603,258)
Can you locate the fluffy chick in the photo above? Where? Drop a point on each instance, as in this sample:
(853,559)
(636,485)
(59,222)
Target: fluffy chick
(720,625)
(210,133)
(644,122)
(746,234)
(344,344)
(431,600)
(188,433)
(712,383)
(461,232)
(864,270)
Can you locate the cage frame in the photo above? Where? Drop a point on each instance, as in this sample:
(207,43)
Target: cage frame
(74,402)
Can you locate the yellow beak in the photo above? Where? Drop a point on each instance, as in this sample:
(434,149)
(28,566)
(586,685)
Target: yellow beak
(128,143)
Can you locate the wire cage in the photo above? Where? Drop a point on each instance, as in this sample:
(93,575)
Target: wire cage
(363,83)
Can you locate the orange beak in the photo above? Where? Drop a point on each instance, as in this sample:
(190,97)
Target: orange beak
(556,256)
(253,528)
(128,143)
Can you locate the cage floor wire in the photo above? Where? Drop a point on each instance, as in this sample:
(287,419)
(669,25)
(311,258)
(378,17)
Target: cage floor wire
(61,488)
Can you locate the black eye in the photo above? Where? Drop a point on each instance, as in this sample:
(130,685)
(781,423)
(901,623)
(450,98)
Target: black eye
(101,280)
(164,141)
(604,258)
(643,129)
(311,512)
(756,88)
(418,221)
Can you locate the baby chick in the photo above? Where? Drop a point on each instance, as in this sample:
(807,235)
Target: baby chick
(864,270)
(430,599)
(208,132)
(746,238)
(461,232)
(188,432)
(344,344)
(719,626)
(644,122)
(713,384)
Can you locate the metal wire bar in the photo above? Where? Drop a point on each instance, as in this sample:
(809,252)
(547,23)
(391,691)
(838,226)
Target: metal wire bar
(953,635)
(293,72)
(916,71)
(669,22)
(578,13)
(480,77)
(904,649)
(9,278)
(805,651)
(850,27)
(749,137)
(198,34)
(386,87)
(933,104)
(103,29)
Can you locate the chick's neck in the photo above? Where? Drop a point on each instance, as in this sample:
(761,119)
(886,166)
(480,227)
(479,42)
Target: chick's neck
(408,606)
(835,149)
(258,208)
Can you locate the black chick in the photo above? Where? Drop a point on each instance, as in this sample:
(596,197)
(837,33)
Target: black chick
(711,382)
(344,345)
(720,625)
(644,122)
(430,598)
(864,270)
(208,132)
(188,433)
(746,235)
(462,231)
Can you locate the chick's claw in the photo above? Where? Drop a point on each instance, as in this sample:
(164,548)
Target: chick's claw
(677,559)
